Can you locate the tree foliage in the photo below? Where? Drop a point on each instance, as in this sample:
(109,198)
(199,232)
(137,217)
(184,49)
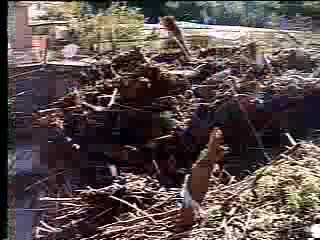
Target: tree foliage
(311,8)
(235,12)
(92,29)
(126,25)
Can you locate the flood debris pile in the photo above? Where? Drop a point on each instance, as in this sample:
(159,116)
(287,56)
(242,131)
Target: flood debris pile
(281,199)
(146,120)
(131,202)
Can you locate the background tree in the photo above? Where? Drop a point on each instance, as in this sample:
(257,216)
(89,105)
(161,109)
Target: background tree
(89,21)
(238,12)
(312,9)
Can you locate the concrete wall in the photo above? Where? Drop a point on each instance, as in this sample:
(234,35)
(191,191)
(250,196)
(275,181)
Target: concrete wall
(11,27)
(19,33)
(23,31)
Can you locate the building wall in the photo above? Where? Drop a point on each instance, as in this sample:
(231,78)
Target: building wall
(23,31)
(11,20)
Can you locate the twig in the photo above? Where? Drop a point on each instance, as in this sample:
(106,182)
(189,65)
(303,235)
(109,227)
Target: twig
(139,219)
(59,199)
(106,233)
(43,180)
(180,235)
(291,139)
(134,207)
(24,92)
(24,73)
(249,216)
(113,98)
(28,209)
(117,75)
(132,108)
(42,229)
(49,227)
(226,229)
(248,221)
(245,113)
(72,204)
(102,213)
(156,166)
(160,204)
(93,107)
(162,138)
(288,152)
(184,50)
(239,221)
(49,110)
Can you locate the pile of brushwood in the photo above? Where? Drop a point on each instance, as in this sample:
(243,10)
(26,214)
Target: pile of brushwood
(145,118)
(278,201)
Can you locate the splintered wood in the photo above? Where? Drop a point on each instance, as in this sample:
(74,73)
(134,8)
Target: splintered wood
(198,183)
(202,169)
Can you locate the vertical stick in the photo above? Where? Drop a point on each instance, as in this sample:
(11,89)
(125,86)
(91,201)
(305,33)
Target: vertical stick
(45,50)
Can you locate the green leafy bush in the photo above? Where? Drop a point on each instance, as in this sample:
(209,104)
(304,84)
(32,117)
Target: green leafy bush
(126,25)
(122,25)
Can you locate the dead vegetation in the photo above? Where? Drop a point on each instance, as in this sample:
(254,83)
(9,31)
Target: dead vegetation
(154,143)
(278,201)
